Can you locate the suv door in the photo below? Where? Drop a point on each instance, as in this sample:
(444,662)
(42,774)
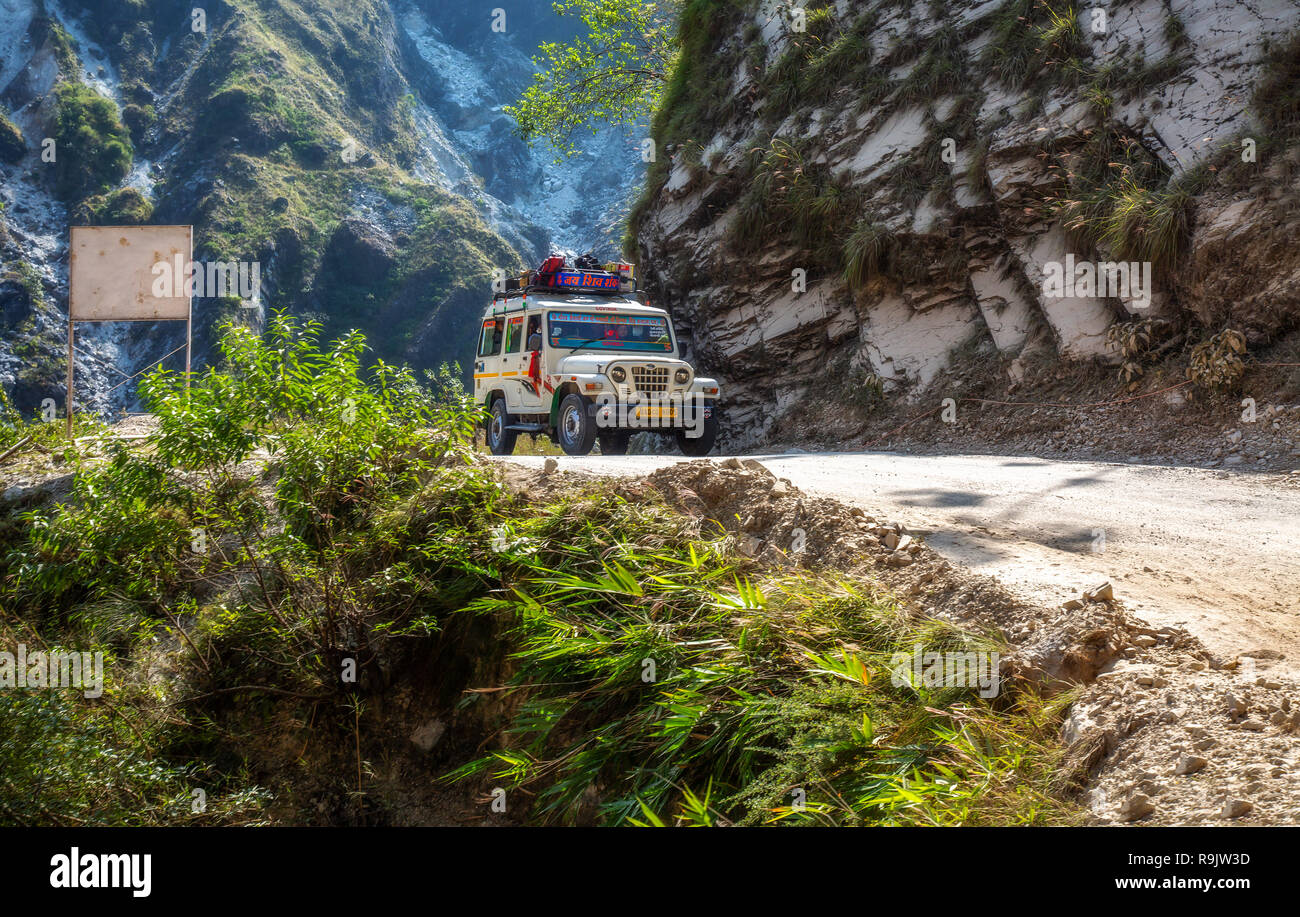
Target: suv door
(532,385)
(511,356)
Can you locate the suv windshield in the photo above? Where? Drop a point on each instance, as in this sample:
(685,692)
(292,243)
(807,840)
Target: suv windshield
(610,331)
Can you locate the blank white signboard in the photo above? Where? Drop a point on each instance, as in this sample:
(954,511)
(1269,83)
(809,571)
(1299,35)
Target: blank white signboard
(114,273)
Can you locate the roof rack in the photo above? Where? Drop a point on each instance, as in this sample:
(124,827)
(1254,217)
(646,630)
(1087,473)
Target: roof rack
(515,292)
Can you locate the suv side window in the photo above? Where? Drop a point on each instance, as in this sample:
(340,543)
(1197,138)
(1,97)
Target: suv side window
(514,333)
(489,344)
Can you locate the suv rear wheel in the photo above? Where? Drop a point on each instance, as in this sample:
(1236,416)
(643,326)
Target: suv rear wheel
(501,441)
(576,426)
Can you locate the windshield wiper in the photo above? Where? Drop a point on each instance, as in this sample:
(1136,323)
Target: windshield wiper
(584,344)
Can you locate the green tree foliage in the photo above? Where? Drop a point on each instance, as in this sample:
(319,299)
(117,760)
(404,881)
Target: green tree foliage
(614,74)
(155,532)
(93,151)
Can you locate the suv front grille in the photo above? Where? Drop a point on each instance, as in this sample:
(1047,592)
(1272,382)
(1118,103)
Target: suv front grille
(650,381)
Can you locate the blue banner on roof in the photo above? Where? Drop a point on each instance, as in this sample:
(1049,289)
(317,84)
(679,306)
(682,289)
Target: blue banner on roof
(581,280)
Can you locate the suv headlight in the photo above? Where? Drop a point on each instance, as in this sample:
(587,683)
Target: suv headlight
(681,376)
(618,374)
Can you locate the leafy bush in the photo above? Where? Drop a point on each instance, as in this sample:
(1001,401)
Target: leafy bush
(66,762)
(339,442)
(124,207)
(1132,222)
(138,119)
(295,513)
(123,531)
(149,530)
(93,149)
(12,145)
(59,766)
(1134,342)
(1122,200)
(1216,364)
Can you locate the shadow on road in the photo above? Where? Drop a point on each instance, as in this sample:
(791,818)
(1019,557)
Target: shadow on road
(938,497)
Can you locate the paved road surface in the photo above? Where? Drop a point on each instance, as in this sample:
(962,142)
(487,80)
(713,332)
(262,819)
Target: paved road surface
(1216,551)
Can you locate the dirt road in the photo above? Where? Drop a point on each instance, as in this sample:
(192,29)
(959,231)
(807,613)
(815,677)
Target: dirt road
(1217,552)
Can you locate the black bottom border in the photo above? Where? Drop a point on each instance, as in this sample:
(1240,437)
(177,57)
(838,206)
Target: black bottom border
(335,867)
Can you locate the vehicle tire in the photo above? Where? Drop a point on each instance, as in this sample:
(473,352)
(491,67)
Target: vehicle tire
(575,426)
(500,441)
(702,444)
(614,443)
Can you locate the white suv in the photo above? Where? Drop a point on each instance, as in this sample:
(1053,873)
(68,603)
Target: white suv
(575,355)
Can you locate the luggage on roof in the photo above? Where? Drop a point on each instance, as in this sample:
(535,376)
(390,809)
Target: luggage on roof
(587,275)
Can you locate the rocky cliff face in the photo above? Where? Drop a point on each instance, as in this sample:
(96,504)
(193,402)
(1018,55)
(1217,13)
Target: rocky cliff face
(926,166)
(355,151)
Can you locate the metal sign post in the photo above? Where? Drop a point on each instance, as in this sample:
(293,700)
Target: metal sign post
(67,405)
(129,274)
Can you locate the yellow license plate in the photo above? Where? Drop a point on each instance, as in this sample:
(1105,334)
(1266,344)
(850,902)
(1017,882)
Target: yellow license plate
(647,413)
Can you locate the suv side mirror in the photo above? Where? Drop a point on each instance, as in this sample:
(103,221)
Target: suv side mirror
(535,341)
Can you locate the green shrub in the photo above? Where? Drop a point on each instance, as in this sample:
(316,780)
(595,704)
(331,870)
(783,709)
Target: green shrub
(345,522)
(866,253)
(93,150)
(123,207)
(12,145)
(138,119)
(1032,37)
(1216,363)
(1132,222)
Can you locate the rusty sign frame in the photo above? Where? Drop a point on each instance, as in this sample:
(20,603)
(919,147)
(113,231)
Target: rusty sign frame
(130,292)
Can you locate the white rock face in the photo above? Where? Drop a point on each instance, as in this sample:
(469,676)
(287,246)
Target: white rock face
(770,17)
(15,44)
(1078,322)
(902,133)
(966,257)
(905,345)
(1207,104)
(1007,313)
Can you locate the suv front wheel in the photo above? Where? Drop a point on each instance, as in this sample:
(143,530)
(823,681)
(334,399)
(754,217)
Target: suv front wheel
(700,445)
(576,426)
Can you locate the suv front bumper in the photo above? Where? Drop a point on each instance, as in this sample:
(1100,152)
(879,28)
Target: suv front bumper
(677,410)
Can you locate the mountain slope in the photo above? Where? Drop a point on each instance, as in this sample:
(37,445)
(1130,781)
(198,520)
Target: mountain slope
(354,151)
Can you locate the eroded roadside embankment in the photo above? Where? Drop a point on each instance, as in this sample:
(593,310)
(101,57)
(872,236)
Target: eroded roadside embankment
(1160,730)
